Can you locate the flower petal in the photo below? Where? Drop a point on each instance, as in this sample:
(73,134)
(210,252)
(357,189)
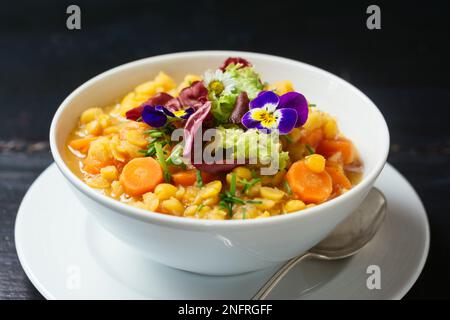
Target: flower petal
(153,117)
(166,111)
(248,120)
(188,113)
(268,97)
(298,102)
(287,119)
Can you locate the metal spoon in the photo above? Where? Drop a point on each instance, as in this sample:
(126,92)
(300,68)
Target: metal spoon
(347,239)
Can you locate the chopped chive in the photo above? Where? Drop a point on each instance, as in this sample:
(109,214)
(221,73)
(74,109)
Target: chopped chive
(244,215)
(287,187)
(199,178)
(253,201)
(156,134)
(162,161)
(233,183)
(310,149)
(200,207)
(288,138)
(254,175)
(249,184)
(312,105)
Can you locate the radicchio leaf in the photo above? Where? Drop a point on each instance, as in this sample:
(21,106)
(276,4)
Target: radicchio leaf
(235,60)
(194,96)
(193,124)
(240,108)
(135,113)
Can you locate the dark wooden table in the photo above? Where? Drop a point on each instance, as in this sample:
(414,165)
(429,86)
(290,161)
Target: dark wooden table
(404,68)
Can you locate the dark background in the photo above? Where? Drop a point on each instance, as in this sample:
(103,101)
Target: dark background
(404,68)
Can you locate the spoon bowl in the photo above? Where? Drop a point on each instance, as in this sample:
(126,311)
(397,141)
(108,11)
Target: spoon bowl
(346,240)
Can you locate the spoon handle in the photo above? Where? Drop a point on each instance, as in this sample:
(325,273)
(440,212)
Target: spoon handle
(275,279)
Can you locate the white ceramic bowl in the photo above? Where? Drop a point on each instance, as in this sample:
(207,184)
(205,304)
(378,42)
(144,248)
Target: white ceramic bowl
(226,247)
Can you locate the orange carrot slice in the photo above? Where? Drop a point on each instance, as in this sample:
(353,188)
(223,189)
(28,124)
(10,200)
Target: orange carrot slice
(339,178)
(93,165)
(189,177)
(141,175)
(81,145)
(309,186)
(327,148)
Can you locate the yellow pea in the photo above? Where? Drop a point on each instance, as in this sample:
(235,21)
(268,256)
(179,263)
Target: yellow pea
(315,163)
(282,87)
(272,193)
(190,211)
(104,120)
(97,182)
(265,204)
(90,114)
(217,214)
(211,189)
(109,173)
(330,129)
(295,134)
(173,206)
(315,120)
(254,190)
(165,190)
(116,189)
(136,138)
(294,205)
(180,192)
(151,201)
(94,128)
(164,81)
(146,88)
(266,214)
(211,200)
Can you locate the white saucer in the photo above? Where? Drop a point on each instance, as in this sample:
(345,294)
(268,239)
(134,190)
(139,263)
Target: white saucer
(67,255)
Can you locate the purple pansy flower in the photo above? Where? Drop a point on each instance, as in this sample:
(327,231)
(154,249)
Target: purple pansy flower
(270,112)
(157,116)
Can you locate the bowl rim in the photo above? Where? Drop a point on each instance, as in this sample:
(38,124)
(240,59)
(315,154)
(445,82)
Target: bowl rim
(201,224)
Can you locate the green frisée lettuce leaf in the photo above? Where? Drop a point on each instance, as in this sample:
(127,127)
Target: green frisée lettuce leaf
(222,106)
(252,144)
(246,79)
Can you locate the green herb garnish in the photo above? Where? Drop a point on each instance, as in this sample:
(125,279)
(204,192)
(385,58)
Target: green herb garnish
(200,207)
(199,178)
(312,105)
(229,198)
(162,161)
(287,187)
(248,184)
(233,183)
(310,149)
(174,158)
(288,138)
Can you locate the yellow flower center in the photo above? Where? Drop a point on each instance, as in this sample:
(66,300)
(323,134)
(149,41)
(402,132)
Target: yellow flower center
(179,113)
(267,119)
(217,87)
